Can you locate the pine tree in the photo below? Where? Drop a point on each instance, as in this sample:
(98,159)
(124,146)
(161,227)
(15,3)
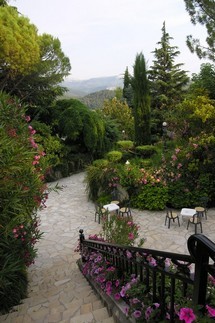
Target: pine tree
(202,12)
(168,80)
(140,86)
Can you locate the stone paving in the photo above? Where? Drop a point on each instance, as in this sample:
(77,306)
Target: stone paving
(57,290)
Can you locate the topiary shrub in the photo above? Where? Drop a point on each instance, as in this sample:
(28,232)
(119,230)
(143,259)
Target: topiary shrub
(125,144)
(100,163)
(114,156)
(146,151)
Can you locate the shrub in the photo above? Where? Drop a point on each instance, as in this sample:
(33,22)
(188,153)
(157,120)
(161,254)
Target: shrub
(100,163)
(22,192)
(13,275)
(114,156)
(151,197)
(146,151)
(119,230)
(125,144)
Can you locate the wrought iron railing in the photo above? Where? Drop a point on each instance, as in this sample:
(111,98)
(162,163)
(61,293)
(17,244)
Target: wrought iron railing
(187,273)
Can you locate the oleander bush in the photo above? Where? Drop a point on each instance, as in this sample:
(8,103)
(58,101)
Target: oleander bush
(22,192)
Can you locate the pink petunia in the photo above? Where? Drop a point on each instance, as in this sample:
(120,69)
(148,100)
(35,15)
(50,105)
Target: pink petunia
(211,311)
(148,312)
(137,314)
(186,314)
(123,291)
(117,296)
(128,254)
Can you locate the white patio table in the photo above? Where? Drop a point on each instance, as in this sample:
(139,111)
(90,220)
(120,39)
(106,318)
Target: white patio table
(111,207)
(187,213)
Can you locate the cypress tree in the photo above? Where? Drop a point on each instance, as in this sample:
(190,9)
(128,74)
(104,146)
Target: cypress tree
(141,102)
(127,89)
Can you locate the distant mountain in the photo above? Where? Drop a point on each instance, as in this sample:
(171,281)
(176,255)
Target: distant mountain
(80,88)
(96,99)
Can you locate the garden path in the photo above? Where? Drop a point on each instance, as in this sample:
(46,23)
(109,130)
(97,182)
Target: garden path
(57,291)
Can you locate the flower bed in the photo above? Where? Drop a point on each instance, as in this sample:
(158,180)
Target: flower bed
(135,301)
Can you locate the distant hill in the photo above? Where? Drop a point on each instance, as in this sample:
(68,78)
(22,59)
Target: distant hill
(80,88)
(95,100)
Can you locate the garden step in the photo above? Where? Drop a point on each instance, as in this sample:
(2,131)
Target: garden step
(74,312)
(59,298)
(88,309)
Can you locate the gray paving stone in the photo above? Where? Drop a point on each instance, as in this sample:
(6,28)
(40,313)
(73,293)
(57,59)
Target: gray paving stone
(58,292)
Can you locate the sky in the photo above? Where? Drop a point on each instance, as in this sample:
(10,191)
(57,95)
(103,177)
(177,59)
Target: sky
(103,37)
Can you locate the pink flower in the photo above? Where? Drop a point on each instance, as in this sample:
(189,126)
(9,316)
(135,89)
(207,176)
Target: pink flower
(187,315)
(174,157)
(128,254)
(123,291)
(27,118)
(148,312)
(131,236)
(211,311)
(152,261)
(212,280)
(117,283)
(117,296)
(177,150)
(179,165)
(137,314)
(135,300)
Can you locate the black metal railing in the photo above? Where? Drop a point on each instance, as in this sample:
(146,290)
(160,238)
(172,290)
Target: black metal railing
(189,273)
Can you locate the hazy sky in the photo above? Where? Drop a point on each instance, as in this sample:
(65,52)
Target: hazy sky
(102,37)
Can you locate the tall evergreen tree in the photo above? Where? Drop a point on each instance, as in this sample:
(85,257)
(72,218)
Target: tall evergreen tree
(168,80)
(127,89)
(140,86)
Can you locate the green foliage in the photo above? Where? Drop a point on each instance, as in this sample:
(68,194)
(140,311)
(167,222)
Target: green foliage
(119,230)
(52,145)
(188,172)
(114,156)
(121,113)
(146,151)
(204,81)
(167,79)
(19,47)
(142,109)
(22,193)
(193,116)
(100,163)
(151,197)
(13,275)
(127,88)
(202,12)
(125,144)
(100,179)
(32,65)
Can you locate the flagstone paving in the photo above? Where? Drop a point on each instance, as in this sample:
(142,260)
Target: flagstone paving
(57,291)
